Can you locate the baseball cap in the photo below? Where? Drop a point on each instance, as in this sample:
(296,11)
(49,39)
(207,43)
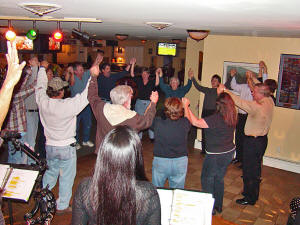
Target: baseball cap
(56,83)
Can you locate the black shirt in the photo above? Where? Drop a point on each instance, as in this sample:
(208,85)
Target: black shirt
(144,91)
(171,137)
(219,136)
(106,84)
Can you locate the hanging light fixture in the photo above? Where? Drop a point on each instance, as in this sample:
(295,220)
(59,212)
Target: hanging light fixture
(143,41)
(58,35)
(32,33)
(198,34)
(121,37)
(10,34)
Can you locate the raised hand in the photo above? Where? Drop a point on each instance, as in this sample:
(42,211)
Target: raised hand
(94,70)
(14,69)
(132,61)
(159,72)
(98,59)
(185,102)
(154,97)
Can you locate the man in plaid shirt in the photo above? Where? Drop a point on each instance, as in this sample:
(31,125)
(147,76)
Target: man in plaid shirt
(16,118)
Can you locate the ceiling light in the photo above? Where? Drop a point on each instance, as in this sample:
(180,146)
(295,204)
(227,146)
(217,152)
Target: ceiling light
(159,25)
(198,34)
(121,37)
(143,41)
(10,34)
(58,35)
(40,8)
(32,33)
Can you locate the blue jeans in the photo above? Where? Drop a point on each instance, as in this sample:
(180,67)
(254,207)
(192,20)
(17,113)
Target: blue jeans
(173,169)
(61,161)
(17,156)
(140,108)
(213,172)
(86,118)
(32,127)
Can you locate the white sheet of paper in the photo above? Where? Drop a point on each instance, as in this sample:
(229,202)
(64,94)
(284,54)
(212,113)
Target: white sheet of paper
(20,184)
(166,198)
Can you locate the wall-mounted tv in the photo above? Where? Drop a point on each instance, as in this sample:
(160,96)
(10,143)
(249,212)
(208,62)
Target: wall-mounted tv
(166,49)
(23,43)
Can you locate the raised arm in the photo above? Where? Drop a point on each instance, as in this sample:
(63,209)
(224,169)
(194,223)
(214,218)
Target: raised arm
(164,87)
(14,71)
(191,117)
(156,77)
(197,86)
(132,67)
(132,60)
(93,96)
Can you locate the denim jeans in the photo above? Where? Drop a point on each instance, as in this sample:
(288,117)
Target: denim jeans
(17,156)
(213,172)
(140,108)
(61,161)
(32,127)
(85,117)
(173,169)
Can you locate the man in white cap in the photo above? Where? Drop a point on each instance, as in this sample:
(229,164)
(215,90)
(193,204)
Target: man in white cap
(58,117)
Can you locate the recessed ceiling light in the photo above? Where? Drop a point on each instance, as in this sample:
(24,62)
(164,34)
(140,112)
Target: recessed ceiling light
(159,25)
(40,8)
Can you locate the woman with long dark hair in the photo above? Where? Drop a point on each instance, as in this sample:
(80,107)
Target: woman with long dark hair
(118,193)
(220,147)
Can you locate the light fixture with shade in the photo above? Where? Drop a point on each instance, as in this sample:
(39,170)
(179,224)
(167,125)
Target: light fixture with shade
(143,41)
(32,33)
(58,35)
(121,37)
(159,25)
(198,34)
(10,34)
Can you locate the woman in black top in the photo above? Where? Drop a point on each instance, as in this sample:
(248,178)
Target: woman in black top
(118,193)
(220,148)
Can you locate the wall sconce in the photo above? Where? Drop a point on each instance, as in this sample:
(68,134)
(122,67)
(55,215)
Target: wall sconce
(176,41)
(143,41)
(121,37)
(198,34)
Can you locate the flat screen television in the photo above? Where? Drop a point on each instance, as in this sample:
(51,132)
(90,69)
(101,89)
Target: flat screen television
(166,49)
(23,43)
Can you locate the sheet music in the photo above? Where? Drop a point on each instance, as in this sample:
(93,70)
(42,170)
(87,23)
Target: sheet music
(183,207)
(20,184)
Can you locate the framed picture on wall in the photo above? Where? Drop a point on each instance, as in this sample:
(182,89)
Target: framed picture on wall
(241,69)
(288,91)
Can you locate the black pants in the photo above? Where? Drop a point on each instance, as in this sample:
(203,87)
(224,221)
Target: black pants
(254,150)
(205,113)
(240,136)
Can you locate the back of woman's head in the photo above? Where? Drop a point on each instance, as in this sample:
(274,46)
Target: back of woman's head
(226,107)
(119,163)
(173,108)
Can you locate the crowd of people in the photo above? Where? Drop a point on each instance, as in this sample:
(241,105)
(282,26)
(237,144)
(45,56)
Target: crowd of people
(65,103)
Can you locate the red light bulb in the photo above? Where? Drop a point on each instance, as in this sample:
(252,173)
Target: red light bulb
(57,36)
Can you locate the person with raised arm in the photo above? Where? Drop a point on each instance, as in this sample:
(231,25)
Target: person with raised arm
(118,113)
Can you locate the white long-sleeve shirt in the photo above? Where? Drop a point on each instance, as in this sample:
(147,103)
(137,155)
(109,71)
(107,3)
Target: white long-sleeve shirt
(58,116)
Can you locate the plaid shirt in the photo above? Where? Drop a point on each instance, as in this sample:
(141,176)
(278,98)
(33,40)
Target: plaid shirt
(16,119)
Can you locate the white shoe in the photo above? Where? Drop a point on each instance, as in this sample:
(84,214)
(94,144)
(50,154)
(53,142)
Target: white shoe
(77,146)
(88,143)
